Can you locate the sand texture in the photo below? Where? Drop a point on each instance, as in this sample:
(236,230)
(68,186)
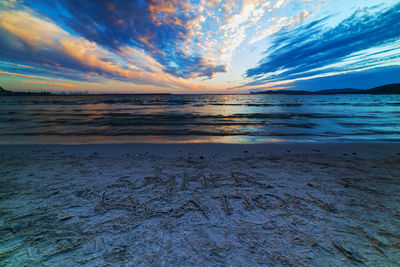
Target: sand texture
(200,205)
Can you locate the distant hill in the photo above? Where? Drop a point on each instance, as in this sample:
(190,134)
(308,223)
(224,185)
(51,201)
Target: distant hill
(385,89)
(389,89)
(2,91)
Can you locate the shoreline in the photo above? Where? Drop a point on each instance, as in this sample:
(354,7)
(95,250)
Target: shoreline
(281,148)
(200,204)
(151,139)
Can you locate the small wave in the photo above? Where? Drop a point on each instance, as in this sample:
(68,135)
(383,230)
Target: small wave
(160,133)
(160,117)
(209,115)
(367,124)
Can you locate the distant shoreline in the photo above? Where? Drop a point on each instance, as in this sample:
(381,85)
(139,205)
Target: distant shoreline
(380,90)
(388,89)
(46,93)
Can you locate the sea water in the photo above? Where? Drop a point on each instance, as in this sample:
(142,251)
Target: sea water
(72,119)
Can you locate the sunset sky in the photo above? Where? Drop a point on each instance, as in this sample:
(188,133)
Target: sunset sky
(198,46)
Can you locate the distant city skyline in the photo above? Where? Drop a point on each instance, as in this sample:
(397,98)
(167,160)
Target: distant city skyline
(198,46)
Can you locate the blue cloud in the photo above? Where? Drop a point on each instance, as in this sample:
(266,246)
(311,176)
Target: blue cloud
(303,51)
(116,23)
(41,62)
(361,80)
(49,72)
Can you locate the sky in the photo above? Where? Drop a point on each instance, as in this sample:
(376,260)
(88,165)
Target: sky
(128,46)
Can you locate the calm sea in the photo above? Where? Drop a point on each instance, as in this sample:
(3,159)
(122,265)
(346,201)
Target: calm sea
(198,118)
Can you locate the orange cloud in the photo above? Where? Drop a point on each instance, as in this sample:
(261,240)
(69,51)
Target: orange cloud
(16,75)
(91,55)
(42,34)
(30,29)
(51,83)
(165,7)
(165,12)
(35,82)
(147,40)
(64,84)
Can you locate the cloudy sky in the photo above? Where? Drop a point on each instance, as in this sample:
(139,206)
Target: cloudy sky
(198,46)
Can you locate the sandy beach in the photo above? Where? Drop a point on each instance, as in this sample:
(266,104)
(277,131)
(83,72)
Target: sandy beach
(200,205)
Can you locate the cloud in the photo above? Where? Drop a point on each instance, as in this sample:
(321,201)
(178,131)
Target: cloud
(184,44)
(40,42)
(281,3)
(140,59)
(17,75)
(365,40)
(9,3)
(190,39)
(362,79)
(51,83)
(235,26)
(160,28)
(279,23)
(35,82)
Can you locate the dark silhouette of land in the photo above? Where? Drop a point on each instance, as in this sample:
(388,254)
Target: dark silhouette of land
(389,89)
(79,93)
(11,93)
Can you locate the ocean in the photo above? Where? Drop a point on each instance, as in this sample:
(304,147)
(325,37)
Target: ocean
(71,119)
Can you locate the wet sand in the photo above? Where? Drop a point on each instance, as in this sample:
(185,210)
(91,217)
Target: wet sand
(200,204)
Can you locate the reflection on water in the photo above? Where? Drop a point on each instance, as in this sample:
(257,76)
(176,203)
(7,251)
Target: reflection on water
(198,118)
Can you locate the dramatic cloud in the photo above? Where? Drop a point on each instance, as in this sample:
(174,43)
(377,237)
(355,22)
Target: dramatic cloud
(37,41)
(363,41)
(182,46)
(158,27)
